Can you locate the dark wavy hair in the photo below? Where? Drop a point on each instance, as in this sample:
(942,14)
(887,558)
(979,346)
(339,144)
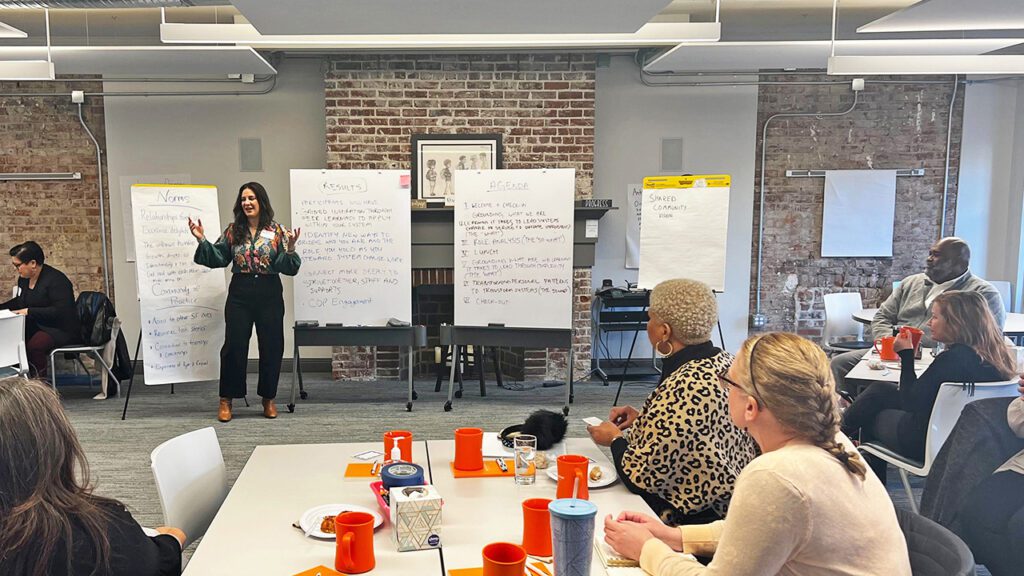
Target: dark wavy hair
(44,484)
(29,251)
(240,227)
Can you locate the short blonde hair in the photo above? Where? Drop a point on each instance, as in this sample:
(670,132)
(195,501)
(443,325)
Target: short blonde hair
(790,377)
(688,307)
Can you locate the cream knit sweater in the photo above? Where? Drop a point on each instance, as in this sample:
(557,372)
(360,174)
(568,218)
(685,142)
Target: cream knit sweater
(796,511)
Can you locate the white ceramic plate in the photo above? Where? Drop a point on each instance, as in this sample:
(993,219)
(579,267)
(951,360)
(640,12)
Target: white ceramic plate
(607,478)
(313,516)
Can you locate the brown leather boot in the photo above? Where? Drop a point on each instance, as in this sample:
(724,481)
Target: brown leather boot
(269,410)
(224,413)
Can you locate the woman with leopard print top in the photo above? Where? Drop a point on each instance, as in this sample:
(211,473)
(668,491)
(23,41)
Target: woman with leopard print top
(683,453)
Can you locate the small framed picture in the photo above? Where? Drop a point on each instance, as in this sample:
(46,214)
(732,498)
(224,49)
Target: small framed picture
(436,158)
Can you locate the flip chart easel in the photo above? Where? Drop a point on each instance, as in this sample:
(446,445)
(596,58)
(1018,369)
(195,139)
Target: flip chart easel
(513,261)
(181,303)
(685,229)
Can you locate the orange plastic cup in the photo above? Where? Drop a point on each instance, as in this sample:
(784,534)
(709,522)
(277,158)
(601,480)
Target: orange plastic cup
(537,527)
(572,477)
(353,533)
(404,444)
(915,337)
(504,559)
(469,448)
(886,352)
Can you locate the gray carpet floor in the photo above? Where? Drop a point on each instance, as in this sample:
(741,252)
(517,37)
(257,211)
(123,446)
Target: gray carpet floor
(118,451)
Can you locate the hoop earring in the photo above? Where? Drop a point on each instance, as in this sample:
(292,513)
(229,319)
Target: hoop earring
(657,348)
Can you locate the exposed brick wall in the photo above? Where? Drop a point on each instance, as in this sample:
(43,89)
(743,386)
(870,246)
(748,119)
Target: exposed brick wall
(43,134)
(893,126)
(542,104)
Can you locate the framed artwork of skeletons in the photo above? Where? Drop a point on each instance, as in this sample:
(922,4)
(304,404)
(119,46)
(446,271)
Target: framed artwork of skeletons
(436,158)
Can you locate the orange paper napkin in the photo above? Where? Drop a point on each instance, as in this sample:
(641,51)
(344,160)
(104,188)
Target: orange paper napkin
(360,470)
(490,469)
(466,571)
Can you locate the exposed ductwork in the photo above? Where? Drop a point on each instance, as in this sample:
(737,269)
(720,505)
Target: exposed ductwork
(57,4)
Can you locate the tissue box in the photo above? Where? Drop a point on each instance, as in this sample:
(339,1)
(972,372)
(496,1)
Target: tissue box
(416,517)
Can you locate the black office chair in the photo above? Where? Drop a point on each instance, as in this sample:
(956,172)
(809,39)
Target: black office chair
(934,550)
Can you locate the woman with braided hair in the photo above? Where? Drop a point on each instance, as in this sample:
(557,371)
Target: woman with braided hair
(807,490)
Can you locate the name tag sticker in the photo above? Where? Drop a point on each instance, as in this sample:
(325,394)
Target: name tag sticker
(269,235)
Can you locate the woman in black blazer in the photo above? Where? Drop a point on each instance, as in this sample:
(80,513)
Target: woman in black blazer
(47,300)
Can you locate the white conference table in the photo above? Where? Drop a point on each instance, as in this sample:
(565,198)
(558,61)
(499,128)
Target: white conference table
(891,372)
(1014,321)
(253,534)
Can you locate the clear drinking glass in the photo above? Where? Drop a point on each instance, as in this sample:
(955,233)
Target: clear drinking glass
(525,451)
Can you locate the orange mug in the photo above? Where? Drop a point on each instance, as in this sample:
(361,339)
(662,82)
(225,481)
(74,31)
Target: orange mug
(404,438)
(915,337)
(469,449)
(537,527)
(504,559)
(572,477)
(353,533)
(886,352)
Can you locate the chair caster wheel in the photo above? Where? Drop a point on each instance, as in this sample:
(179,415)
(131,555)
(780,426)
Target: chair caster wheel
(415,396)
(408,406)
(565,411)
(291,408)
(448,406)
(458,393)
(303,395)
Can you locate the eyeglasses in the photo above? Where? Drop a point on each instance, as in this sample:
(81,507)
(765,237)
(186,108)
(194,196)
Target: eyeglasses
(725,382)
(18,264)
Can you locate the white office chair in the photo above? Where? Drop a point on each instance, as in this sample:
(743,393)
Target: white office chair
(13,356)
(1005,291)
(191,481)
(839,322)
(949,403)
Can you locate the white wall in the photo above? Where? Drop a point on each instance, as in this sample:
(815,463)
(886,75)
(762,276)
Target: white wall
(199,135)
(718,127)
(991,182)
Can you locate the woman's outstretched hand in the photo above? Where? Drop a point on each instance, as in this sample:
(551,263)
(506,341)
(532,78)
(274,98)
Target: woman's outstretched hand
(196,228)
(293,237)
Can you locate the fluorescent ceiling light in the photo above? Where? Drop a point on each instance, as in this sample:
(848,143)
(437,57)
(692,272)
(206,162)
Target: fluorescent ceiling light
(26,70)
(653,34)
(806,54)
(934,15)
(8,31)
(146,61)
(929,64)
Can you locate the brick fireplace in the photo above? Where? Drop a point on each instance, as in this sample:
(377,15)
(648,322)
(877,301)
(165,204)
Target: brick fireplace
(542,104)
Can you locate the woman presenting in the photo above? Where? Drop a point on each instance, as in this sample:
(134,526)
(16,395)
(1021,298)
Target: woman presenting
(47,300)
(258,249)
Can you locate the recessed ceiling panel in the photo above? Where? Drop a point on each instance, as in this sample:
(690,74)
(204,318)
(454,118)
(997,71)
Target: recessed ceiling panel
(931,15)
(8,31)
(291,17)
(146,61)
(753,56)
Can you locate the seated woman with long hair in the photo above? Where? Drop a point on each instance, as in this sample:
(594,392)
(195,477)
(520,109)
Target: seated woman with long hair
(681,453)
(898,416)
(51,524)
(806,492)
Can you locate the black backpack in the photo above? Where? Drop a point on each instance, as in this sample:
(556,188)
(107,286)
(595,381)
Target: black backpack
(96,317)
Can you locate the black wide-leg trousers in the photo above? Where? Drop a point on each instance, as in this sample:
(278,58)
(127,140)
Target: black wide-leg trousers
(253,299)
